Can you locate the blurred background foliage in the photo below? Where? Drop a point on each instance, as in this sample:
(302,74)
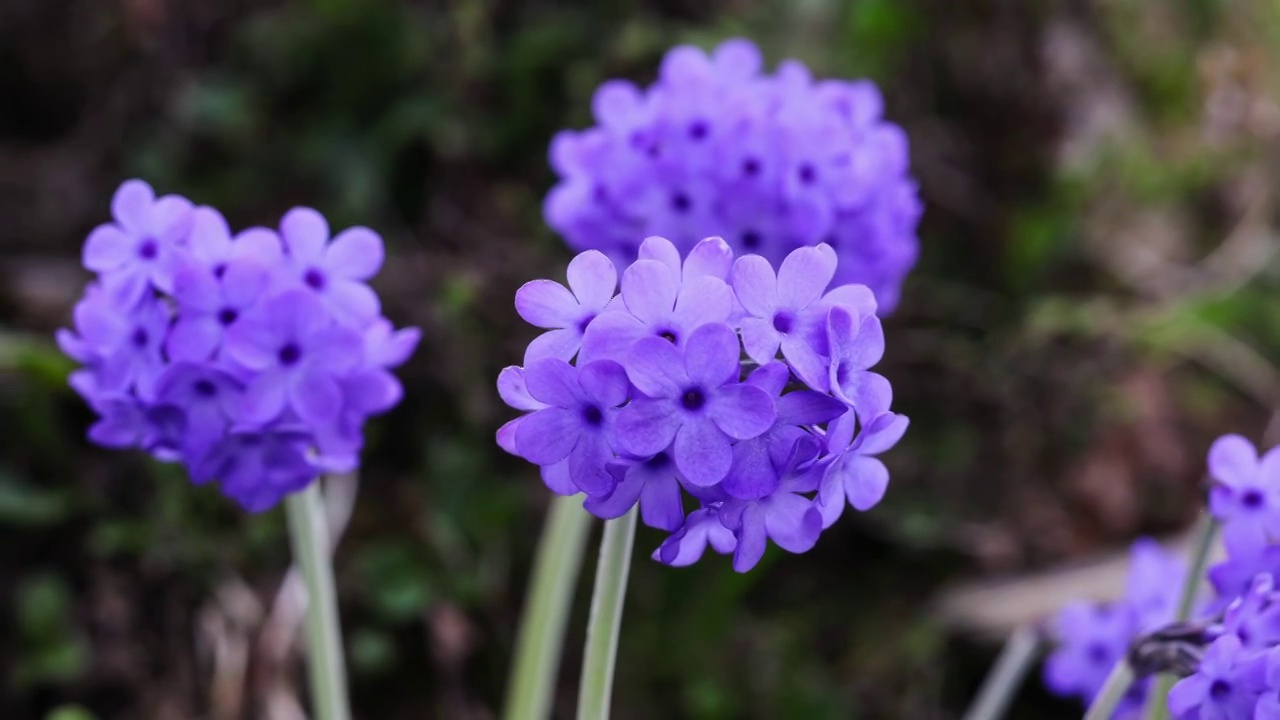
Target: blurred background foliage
(1096,300)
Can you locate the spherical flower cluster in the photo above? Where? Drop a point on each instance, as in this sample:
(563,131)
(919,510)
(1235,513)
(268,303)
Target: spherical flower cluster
(638,393)
(252,358)
(1092,637)
(769,162)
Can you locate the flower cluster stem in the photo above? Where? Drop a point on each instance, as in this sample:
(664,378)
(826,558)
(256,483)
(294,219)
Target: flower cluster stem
(1207,530)
(546,612)
(1112,692)
(1020,652)
(309,533)
(600,657)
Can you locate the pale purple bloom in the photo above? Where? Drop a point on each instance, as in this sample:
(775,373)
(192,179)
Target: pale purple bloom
(690,541)
(141,249)
(785,516)
(334,270)
(857,343)
(298,356)
(566,312)
(654,483)
(693,402)
(854,473)
(769,162)
(655,304)
(578,421)
(251,366)
(1246,496)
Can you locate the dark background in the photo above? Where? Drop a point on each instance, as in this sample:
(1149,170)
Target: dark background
(1096,300)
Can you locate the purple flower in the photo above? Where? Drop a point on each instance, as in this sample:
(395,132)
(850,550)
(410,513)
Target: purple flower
(852,471)
(212,304)
(1227,685)
(857,343)
(297,354)
(335,271)
(700,529)
(1246,498)
(250,366)
(257,469)
(566,311)
(141,248)
(578,421)
(654,483)
(1092,637)
(677,417)
(656,305)
(769,162)
(694,400)
(785,516)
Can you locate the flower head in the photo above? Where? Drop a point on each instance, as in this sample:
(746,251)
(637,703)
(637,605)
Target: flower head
(769,162)
(659,404)
(254,359)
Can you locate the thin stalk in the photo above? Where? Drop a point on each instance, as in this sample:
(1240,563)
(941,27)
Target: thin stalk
(1207,530)
(546,612)
(309,532)
(596,690)
(1020,652)
(1112,692)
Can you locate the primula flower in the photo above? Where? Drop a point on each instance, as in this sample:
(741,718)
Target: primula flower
(659,404)
(1092,637)
(252,360)
(1246,496)
(1228,684)
(771,163)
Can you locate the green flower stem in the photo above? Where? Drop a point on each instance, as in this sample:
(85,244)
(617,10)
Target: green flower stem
(1157,708)
(1112,692)
(1020,652)
(601,654)
(546,612)
(309,532)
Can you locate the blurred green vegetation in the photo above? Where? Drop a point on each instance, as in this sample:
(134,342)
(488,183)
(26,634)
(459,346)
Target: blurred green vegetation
(1094,303)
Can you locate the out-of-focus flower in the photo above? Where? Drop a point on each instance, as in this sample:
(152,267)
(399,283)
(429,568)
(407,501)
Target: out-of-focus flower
(253,361)
(768,162)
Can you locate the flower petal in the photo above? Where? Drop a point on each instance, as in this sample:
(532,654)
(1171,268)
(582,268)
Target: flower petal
(593,279)
(662,250)
(742,411)
(193,338)
(353,302)
(806,407)
(107,248)
(881,433)
(264,399)
(760,340)
(610,336)
(804,275)
(751,539)
(656,368)
(553,381)
(316,397)
(649,290)
(356,254)
(604,381)
(792,522)
(868,393)
(556,478)
(703,300)
(702,452)
(513,390)
(1233,460)
(561,344)
(711,355)
(646,427)
(857,298)
(131,205)
(755,285)
(587,465)
(752,475)
(661,505)
(710,258)
(547,304)
(865,480)
(305,232)
(547,436)
(806,363)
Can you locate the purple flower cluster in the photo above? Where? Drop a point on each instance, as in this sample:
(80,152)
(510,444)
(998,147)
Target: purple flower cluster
(252,358)
(769,162)
(638,393)
(1092,637)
